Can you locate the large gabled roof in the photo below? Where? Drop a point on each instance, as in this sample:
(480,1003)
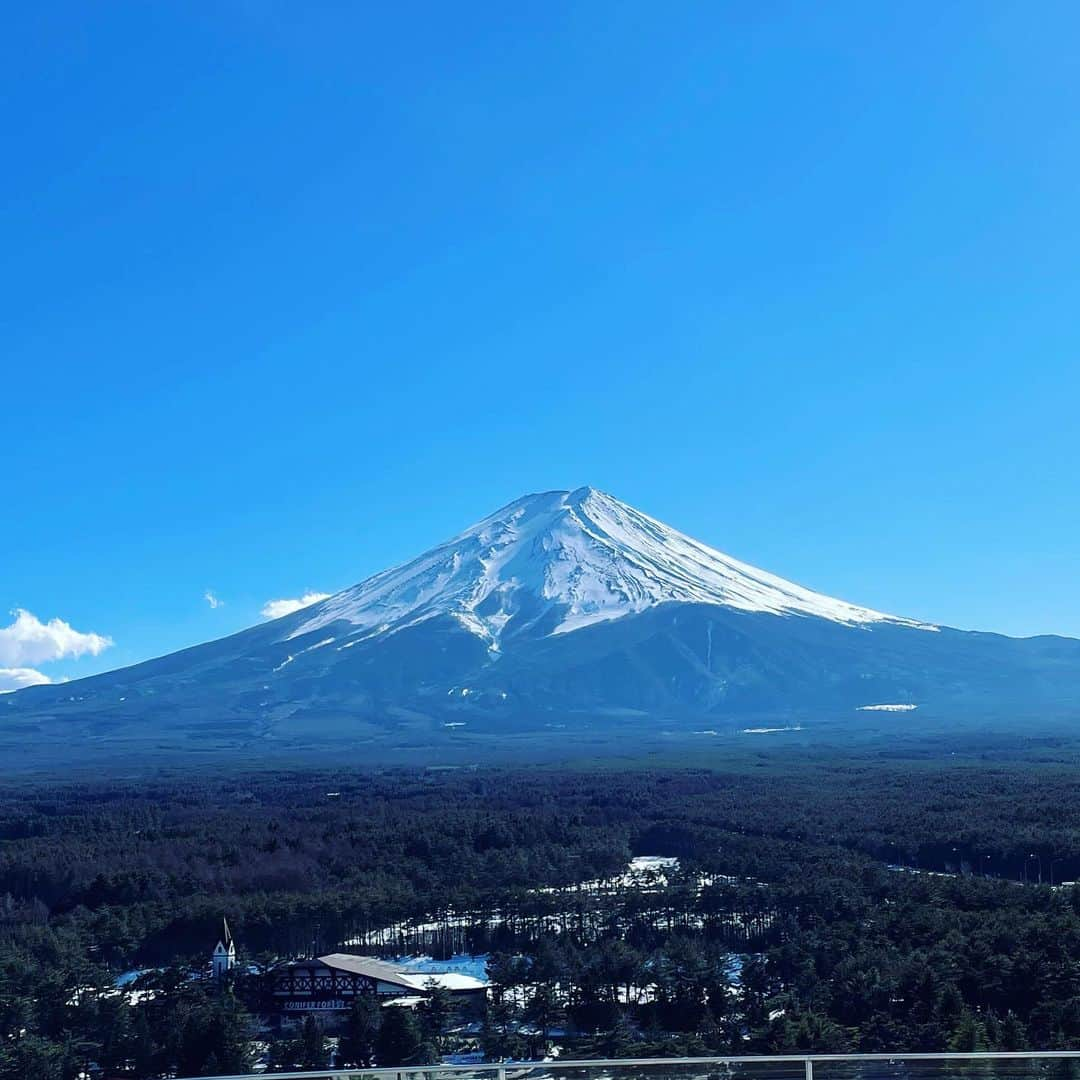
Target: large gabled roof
(370,967)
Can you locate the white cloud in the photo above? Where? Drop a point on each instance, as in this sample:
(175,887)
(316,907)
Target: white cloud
(212,600)
(30,641)
(274,609)
(15,678)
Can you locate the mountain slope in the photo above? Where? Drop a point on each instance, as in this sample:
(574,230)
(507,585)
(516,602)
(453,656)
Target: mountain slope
(555,562)
(562,611)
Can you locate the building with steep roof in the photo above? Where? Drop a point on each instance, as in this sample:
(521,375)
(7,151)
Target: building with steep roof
(223,958)
(329,984)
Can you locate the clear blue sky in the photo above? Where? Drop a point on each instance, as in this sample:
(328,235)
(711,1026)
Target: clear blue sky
(292,291)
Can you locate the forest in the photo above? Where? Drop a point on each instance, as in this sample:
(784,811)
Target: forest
(827,901)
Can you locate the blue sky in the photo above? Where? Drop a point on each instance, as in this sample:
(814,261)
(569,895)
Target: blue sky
(291,292)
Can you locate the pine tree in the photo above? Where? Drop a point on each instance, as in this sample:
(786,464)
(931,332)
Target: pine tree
(623,1039)
(312,1044)
(118,1044)
(361,1031)
(34,1058)
(544,1011)
(501,1036)
(1013,1033)
(709,1032)
(234,1025)
(400,1040)
(143,1050)
(437,1014)
(969,1034)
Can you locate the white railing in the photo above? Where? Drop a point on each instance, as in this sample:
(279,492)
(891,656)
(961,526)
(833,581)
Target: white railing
(988,1065)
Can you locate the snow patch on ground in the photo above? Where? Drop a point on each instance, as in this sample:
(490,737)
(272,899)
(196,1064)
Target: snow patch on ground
(643,871)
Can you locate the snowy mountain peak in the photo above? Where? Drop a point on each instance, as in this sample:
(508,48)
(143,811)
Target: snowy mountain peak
(565,613)
(557,561)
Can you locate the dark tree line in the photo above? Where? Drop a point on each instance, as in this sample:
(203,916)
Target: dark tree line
(784,877)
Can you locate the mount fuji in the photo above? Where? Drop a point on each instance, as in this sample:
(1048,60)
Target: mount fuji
(565,618)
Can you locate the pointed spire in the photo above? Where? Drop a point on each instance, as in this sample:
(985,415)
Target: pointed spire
(224,955)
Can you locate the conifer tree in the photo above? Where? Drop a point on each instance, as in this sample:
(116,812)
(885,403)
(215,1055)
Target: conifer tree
(311,1047)
(400,1040)
(361,1033)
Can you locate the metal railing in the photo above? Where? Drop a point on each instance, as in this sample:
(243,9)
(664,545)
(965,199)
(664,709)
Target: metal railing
(988,1065)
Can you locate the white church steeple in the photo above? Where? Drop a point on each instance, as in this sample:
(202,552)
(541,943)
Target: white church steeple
(224,955)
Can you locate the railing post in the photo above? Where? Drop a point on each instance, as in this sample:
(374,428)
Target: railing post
(809,1069)
(501,1074)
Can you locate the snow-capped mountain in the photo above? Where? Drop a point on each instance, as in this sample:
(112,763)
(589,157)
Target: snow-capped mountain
(562,560)
(566,611)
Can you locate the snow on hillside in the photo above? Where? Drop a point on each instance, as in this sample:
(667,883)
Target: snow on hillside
(555,562)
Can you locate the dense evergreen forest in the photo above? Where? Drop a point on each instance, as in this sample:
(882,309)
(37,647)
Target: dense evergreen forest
(824,902)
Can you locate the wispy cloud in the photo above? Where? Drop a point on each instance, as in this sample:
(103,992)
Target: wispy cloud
(274,609)
(28,641)
(211,598)
(15,678)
